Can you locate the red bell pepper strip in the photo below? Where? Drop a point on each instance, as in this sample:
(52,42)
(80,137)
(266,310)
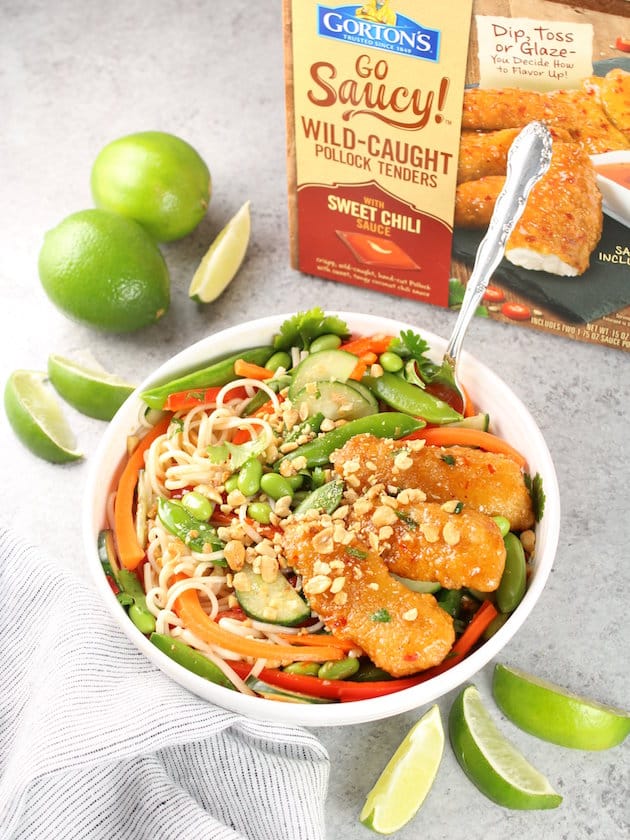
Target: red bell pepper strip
(347,691)
(343,690)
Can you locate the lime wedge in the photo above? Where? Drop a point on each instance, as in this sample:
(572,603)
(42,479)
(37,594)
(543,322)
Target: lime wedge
(491,762)
(222,259)
(37,419)
(406,780)
(553,714)
(91,391)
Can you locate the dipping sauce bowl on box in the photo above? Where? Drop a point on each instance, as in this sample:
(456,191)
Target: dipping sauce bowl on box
(613,179)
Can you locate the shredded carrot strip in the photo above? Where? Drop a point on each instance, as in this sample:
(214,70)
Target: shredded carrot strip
(443,436)
(359,370)
(191,398)
(369,344)
(314,639)
(471,635)
(130,552)
(249,370)
(198,622)
(471,408)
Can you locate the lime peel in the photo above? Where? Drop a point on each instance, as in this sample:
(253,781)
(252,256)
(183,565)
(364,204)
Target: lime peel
(554,714)
(36,417)
(405,782)
(91,390)
(223,258)
(491,762)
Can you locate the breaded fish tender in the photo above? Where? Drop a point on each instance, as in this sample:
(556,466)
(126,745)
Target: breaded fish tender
(615,98)
(475,200)
(426,541)
(401,631)
(483,153)
(489,482)
(562,222)
(577,111)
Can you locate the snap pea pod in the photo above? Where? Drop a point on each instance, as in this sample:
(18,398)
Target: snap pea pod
(130,593)
(514,579)
(327,498)
(368,672)
(138,611)
(408,398)
(450,600)
(190,658)
(190,531)
(389,424)
(261,397)
(311,425)
(216,374)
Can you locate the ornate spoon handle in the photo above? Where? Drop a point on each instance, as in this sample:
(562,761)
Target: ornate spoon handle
(528,160)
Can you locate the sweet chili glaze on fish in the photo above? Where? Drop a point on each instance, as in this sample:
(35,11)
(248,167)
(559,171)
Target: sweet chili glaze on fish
(488,482)
(562,221)
(350,587)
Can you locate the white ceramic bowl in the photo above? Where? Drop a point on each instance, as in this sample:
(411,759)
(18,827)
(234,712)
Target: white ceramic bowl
(616,197)
(510,420)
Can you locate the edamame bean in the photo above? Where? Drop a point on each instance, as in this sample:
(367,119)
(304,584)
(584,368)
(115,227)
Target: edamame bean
(514,578)
(503,523)
(325,342)
(259,512)
(275,486)
(279,360)
(249,477)
(304,669)
(142,618)
(391,362)
(338,669)
(198,505)
(231,483)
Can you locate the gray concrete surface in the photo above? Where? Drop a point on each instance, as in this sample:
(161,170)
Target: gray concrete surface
(74,76)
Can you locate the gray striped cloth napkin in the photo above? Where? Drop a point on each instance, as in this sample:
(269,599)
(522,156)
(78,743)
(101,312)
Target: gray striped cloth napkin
(96,743)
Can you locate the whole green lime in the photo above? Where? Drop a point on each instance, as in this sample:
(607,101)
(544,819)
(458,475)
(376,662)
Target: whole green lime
(104,270)
(155,178)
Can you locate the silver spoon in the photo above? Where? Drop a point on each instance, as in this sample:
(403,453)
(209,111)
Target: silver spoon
(528,160)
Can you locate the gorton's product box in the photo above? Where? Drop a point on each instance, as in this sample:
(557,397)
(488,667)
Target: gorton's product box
(400,114)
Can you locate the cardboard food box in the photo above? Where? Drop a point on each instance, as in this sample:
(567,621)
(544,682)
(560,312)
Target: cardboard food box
(400,115)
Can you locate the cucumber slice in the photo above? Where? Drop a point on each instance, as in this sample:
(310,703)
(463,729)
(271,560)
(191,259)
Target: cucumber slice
(335,400)
(274,603)
(324,366)
(364,391)
(107,552)
(480,421)
(424,586)
(272,692)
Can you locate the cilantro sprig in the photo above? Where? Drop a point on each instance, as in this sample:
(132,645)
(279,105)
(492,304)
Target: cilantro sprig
(412,346)
(303,328)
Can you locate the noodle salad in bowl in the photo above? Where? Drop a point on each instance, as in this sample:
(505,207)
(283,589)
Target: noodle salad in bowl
(303,525)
